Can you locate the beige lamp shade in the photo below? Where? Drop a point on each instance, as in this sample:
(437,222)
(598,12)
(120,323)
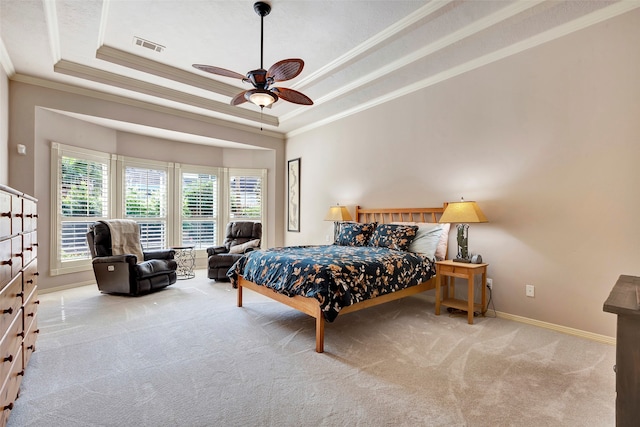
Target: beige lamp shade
(463,212)
(338,213)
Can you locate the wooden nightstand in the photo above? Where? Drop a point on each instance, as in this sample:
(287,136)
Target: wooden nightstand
(445,270)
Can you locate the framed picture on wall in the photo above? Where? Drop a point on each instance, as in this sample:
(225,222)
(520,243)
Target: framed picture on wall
(293,195)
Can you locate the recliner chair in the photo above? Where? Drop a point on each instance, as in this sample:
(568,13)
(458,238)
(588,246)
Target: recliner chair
(240,237)
(125,274)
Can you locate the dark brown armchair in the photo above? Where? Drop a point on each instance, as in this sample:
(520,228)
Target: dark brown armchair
(240,238)
(125,274)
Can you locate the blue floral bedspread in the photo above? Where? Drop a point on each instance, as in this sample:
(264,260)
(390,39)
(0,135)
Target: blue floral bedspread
(337,276)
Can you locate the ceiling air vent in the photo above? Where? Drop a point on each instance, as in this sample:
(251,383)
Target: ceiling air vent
(147,44)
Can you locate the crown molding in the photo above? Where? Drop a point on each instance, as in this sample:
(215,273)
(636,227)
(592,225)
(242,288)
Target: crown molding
(583,22)
(449,40)
(92,93)
(5,60)
(373,42)
(149,66)
(100,76)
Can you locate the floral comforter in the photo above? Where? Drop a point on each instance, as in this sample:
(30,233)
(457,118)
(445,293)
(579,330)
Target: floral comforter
(337,276)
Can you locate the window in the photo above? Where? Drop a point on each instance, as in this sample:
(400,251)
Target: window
(199,209)
(245,196)
(174,204)
(82,191)
(146,203)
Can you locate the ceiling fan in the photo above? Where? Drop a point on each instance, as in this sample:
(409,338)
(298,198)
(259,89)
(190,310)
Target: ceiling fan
(263,93)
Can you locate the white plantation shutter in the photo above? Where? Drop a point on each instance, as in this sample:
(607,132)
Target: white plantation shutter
(146,203)
(84,199)
(199,209)
(173,204)
(245,197)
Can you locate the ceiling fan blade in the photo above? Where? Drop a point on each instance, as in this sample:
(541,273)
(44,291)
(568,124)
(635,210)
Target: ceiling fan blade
(239,98)
(219,71)
(292,96)
(285,69)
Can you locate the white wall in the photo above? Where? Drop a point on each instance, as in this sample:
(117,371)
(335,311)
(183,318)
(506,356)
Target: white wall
(34,124)
(547,142)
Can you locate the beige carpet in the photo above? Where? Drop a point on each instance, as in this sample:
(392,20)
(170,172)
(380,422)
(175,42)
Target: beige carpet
(187,356)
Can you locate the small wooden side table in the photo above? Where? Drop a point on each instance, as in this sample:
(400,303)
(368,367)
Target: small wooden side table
(447,269)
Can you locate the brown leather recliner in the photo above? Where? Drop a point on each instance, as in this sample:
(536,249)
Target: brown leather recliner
(123,274)
(240,237)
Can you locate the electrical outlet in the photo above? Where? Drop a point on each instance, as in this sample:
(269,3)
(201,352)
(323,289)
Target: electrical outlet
(530,291)
(489,283)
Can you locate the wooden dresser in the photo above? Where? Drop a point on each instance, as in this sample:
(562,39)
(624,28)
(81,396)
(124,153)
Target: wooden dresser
(18,291)
(624,300)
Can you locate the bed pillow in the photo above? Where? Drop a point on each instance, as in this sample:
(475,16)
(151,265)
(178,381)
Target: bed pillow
(427,239)
(355,233)
(441,250)
(240,249)
(393,236)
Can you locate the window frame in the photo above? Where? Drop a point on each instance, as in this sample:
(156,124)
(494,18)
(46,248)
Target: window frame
(58,151)
(179,218)
(117,165)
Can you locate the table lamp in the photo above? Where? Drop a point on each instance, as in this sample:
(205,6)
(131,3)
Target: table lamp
(336,214)
(463,213)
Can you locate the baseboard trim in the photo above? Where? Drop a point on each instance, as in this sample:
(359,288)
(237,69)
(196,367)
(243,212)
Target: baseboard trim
(558,328)
(64,287)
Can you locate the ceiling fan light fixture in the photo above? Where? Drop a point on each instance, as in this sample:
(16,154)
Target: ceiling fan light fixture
(260,97)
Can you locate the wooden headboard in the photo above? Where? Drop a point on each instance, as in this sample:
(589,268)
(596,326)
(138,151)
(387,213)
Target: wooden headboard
(387,215)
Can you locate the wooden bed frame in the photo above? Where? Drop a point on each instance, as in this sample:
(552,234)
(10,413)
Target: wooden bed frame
(311,306)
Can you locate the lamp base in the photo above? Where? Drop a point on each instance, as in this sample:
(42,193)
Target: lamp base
(467,261)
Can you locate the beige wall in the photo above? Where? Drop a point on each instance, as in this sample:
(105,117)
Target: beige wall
(547,142)
(4,127)
(34,124)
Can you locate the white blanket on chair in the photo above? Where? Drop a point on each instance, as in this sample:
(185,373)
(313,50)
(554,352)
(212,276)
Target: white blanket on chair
(125,237)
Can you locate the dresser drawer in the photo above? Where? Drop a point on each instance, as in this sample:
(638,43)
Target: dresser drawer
(16,255)
(30,278)
(5,215)
(31,335)
(30,215)
(30,308)
(10,347)
(28,247)
(16,214)
(9,391)
(5,262)
(10,302)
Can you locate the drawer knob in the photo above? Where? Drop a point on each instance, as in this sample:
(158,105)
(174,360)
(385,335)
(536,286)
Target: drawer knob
(9,358)
(37,301)
(37,331)
(9,406)
(7,262)
(36,273)
(8,310)
(5,214)
(30,281)
(20,334)
(30,347)
(19,215)
(20,294)
(21,373)
(30,315)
